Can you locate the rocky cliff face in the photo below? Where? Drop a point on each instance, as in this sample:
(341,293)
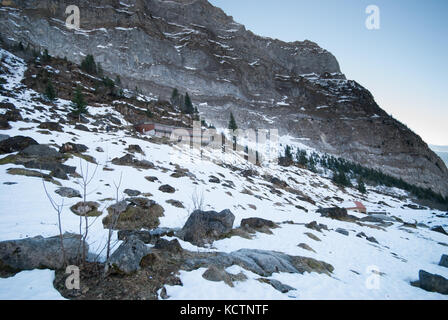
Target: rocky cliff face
(190,44)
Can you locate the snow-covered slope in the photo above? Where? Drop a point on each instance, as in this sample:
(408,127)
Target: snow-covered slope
(362,269)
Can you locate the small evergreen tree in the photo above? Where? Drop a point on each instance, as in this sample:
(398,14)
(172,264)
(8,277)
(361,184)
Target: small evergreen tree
(46,57)
(79,105)
(361,186)
(189,109)
(109,84)
(232,123)
(88,64)
(302,157)
(174,94)
(50,93)
(118,80)
(99,70)
(341,179)
(288,153)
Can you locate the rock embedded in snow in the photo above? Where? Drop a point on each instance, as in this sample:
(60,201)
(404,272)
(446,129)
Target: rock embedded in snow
(261,262)
(68,192)
(214,179)
(133,214)
(316,226)
(13,115)
(88,208)
(148,237)
(439,229)
(277,285)
(342,231)
(336,213)
(258,224)
(172,246)
(82,127)
(132,193)
(4,124)
(175,203)
(129,160)
(306,247)
(204,227)
(135,148)
(444,261)
(151,179)
(126,259)
(38,252)
(14,144)
(377,218)
(73,148)
(166,188)
(218,273)
(432,282)
(52,126)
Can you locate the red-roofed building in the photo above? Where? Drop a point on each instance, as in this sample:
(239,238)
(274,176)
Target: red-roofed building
(356,206)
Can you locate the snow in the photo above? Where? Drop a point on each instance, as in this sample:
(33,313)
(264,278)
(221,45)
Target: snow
(29,285)
(400,254)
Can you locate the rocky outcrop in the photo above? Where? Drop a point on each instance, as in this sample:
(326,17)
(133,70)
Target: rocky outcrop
(261,262)
(296,87)
(133,214)
(17,143)
(444,261)
(38,253)
(431,282)
(204,227)
(88,208)
(336,213)
(252,225)
(126,259)
(68,192)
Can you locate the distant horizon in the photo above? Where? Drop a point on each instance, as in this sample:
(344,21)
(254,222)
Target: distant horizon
(403,64)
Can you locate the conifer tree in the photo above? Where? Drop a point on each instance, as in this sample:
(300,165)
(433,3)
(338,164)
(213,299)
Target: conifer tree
(46,57)
(361,186)
(232,123)
(288,153)
(189,109)
(50,93)
(88,64)
(79,105)
(174,94)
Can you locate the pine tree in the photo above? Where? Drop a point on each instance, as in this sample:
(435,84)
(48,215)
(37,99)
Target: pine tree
(288,153)
(99,69)
(302,157)
(79,106)
(50,93)
(341,179)
(109,84)
(88,64)
(232,123)
(174,94)
(361,186)
(189,109)
(46,57)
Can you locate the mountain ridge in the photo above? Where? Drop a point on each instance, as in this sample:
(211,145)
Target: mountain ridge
(296,86)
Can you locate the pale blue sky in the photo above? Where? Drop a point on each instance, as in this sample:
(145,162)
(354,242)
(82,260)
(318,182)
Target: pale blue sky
(404,63)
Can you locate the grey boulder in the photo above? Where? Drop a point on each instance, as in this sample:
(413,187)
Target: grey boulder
(432,282)
(38,252)
(126,259)
(206,226)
